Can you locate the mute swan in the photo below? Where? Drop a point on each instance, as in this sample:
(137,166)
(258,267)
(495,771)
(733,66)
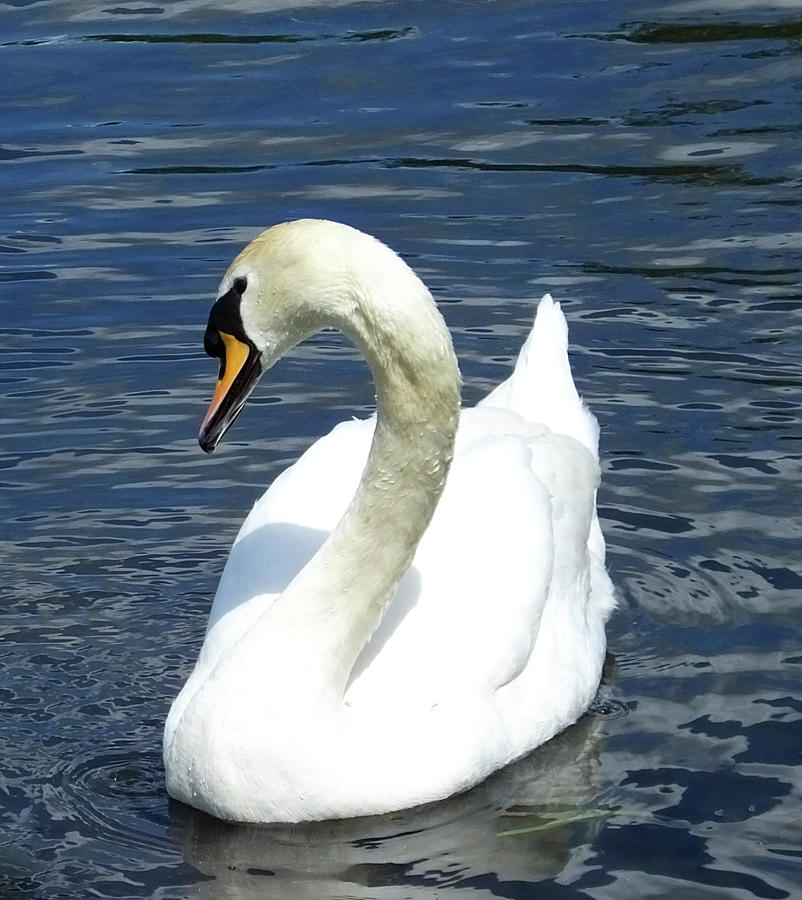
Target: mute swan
(421,598)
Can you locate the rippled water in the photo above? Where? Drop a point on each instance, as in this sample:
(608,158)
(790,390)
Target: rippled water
(639,160)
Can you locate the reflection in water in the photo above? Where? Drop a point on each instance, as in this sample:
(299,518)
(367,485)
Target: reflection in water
(522,825)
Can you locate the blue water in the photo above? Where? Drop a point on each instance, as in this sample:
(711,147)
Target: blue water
(638,159)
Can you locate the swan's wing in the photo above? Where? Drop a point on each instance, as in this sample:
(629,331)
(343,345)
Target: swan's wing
(315,490)
(285,528)
(541,387)
(509,538)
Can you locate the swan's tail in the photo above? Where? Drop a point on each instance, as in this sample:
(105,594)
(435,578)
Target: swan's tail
(541,388)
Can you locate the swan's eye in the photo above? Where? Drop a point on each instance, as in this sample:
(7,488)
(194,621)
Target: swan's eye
(240,285)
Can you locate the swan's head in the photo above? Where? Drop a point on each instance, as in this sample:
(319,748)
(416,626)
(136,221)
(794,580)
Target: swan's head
(291,281)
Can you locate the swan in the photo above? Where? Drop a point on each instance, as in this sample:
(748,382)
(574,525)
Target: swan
(421,598)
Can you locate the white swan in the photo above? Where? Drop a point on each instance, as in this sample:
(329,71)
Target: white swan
(391,626)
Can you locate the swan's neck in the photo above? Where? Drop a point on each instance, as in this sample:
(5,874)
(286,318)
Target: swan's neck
(330,610)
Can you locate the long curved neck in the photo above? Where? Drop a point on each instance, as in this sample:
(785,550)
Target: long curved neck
(335,603)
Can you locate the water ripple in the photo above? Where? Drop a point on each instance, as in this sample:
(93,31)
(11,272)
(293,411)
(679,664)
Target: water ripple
(646,172)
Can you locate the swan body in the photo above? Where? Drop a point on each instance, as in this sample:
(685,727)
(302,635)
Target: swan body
(421,598)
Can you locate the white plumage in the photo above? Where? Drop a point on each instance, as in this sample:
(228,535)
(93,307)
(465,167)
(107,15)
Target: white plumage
(411,658)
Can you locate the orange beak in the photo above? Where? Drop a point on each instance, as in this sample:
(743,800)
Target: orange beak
(240,369)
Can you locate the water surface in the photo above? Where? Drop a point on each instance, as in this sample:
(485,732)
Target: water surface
(639,160)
